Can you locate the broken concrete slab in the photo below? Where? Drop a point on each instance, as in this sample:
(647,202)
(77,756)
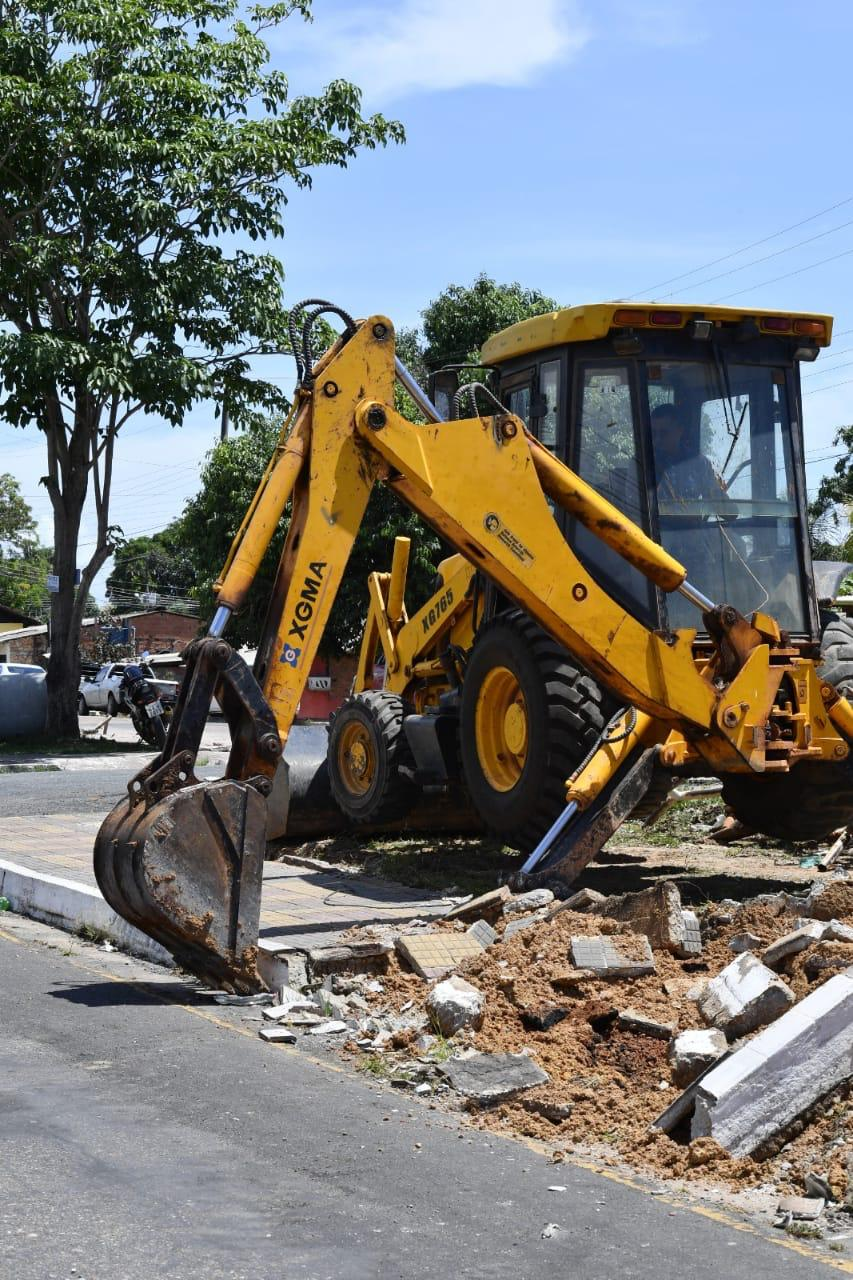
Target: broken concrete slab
(278,1035)
(520,923)
(769,1082)
(656,913)
(745,942)
(491,1077)
(432,955)
(836,931)
(623,957)
(333,1027)
(530,901)
(692,1052)
(487,906)
(483,932)
(641,1025)
(352,957)
(454,1004)
(275,1012)
(744,996)
(580,901)
(792,943)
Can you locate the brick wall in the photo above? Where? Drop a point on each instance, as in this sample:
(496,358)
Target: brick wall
(317,704)
(27,649)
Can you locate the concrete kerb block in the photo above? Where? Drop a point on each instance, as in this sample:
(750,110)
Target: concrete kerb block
(761,1088)
(72,906)
(743,996)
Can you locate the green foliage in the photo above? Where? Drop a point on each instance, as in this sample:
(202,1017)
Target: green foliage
(835,491)
(24,565)
(138,141)
(462,317)
(144,564)
(210,520)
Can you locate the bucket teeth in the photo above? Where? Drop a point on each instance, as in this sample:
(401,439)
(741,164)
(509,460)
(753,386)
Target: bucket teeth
(187,870)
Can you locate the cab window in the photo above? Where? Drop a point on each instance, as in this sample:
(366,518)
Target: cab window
(608,456)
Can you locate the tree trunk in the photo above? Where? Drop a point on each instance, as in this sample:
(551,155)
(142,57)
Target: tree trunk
(63,670)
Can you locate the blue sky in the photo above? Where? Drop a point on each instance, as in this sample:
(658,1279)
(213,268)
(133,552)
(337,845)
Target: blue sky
(592,150)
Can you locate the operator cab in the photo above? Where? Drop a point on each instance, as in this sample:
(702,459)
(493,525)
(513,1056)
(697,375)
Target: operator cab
(689,420)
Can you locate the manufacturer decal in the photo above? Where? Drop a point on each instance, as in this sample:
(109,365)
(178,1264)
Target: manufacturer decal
(308,597)
(493,524)
(290,655)
(438,610)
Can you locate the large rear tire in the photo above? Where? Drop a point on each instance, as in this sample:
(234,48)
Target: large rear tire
(814,799)
(529,716)
(366,747)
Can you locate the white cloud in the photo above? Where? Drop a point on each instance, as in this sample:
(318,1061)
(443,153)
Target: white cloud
(417,46)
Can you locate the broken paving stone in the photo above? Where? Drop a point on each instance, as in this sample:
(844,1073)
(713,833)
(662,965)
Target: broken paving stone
(641,1025)
(483,932)
(817,1187)
(331,1028)
(792,943)
(744,942)
(487,907)
(275,1012)
(656,913)
(623,957)
(491,1077)
(692,1052)
(353,956)
(835,931)
(521,923)
(744,996)
(278,1035)
(530,901)
(580,901)
(769,1082)
(454,1004)
(228,997)
(432,955)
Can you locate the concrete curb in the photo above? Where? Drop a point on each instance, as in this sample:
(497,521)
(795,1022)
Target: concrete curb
(69,905)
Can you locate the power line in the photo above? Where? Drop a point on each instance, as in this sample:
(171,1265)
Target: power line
(787,276)
(745,249)
(813,391)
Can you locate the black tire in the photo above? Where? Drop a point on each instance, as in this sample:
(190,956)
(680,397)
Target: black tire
(82,708)
(366,747)
(814,799)
(112,705)
(565,712)
(159,732)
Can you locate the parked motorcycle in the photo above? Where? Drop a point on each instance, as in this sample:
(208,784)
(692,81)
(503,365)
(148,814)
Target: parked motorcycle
(150,715)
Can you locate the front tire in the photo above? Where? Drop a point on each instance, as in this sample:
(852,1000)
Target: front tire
(112,705)
(82,708)
(529,716)
(366,747)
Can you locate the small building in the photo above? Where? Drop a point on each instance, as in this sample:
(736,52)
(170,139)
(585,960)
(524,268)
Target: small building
(13,620)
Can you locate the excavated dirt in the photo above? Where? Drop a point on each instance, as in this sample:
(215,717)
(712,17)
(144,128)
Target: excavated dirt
(607,1084)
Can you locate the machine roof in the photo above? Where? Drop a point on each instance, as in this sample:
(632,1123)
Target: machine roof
(585,323)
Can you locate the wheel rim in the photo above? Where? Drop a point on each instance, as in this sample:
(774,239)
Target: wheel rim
(356,758)
(501,729)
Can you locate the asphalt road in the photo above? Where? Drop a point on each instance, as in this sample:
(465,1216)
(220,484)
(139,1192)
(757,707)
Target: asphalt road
(80,791)
(141,1139)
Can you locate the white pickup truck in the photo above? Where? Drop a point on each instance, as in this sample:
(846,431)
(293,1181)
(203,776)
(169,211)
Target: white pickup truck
(101,693)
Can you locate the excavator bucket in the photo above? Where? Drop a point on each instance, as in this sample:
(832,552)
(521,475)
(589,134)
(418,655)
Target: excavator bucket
(182,860)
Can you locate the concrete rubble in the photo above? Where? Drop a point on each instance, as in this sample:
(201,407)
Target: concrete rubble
(781,1073)
(623,999)
(455,1004)
(656,913)
(492,1077)
(692,1052)
(746,995)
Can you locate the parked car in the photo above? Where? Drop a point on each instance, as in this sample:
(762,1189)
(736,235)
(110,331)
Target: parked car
(23,699)
(101,691)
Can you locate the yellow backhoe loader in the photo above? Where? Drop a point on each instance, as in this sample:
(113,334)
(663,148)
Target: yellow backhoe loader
(670,560)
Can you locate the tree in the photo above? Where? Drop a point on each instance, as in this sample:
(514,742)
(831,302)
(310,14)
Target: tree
(147,564)
(142,144)
(210,520)
(829,539)
(462,317)
(24,565)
